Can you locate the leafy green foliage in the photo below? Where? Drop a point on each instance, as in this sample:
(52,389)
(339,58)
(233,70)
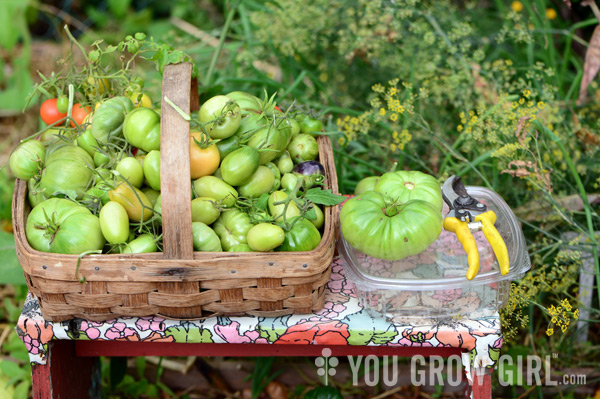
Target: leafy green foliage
(12,273)
(326,392)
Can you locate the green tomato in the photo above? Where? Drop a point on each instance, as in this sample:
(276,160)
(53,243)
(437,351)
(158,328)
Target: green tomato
(62,104)
(131,170)
(228,145)
(144,243)
(310,126)
(251,124)
(151,194)
(205,210)
(303,236)
(389,230)
(215,188)
(405,186)
(285,163)
(239,166)
(260,182)
(265,236)
(69,170)
(294,126)
(109,118)
(151,168)
(232,228)
(303,148)
(205,239)
(247,102)
(288,181)
(276,176)
(221,117)
(27,159)
(277,210)
(34,194)
(62,226)
(54,135)
(88,142)
(101,159)
(97,195)
(366,184)
(270,142)
(114,223)
(141,129)
(318,222)
(240,248)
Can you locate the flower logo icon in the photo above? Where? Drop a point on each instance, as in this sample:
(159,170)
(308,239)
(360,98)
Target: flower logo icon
(326,364)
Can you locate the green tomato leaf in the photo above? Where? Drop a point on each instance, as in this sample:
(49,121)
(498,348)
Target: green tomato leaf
(311,214)
(262,201)
(323,197)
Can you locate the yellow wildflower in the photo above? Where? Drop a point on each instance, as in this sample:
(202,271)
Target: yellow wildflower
(551,13)
(549,331)
(526,93)
(382,111)
(541,105)
(566,304)
(394,117)
(393,147)
(459,128)
(392,91)
(516,6)
(576,314)
(378,88)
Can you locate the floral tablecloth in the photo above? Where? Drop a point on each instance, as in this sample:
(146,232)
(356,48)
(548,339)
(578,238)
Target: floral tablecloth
(343,321)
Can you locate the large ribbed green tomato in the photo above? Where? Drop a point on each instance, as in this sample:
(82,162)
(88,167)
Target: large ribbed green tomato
(205,239)
(27,159)
(404,186)
(62,226)
(232,228)
(68,170)
(389,230)
(109,118)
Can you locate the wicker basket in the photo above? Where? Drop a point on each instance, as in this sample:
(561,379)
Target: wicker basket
(178,283)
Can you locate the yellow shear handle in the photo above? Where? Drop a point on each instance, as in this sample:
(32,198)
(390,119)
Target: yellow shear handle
(463,233)
(488,219)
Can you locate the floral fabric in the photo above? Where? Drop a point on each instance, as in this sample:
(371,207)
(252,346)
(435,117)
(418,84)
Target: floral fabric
(342,321)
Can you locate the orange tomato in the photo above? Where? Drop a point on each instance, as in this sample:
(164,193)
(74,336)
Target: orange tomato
(203,161)
(79,114)
(49,112)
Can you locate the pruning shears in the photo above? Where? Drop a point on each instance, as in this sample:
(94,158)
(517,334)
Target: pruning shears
(468,215)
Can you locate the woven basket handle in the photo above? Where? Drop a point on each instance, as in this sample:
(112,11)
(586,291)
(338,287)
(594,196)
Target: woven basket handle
(176,191)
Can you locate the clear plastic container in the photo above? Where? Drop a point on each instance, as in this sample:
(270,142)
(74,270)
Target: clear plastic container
(433,284)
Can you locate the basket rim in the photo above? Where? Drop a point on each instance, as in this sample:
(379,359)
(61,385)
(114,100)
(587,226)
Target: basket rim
(176,269)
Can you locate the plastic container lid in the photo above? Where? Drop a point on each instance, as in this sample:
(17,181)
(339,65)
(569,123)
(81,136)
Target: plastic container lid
(443,265)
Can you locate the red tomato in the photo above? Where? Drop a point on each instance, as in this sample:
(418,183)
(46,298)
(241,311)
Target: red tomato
(49,112)
(79,113)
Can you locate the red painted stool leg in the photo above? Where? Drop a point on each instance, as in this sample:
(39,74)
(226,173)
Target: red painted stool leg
(65,375)
(482,385)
